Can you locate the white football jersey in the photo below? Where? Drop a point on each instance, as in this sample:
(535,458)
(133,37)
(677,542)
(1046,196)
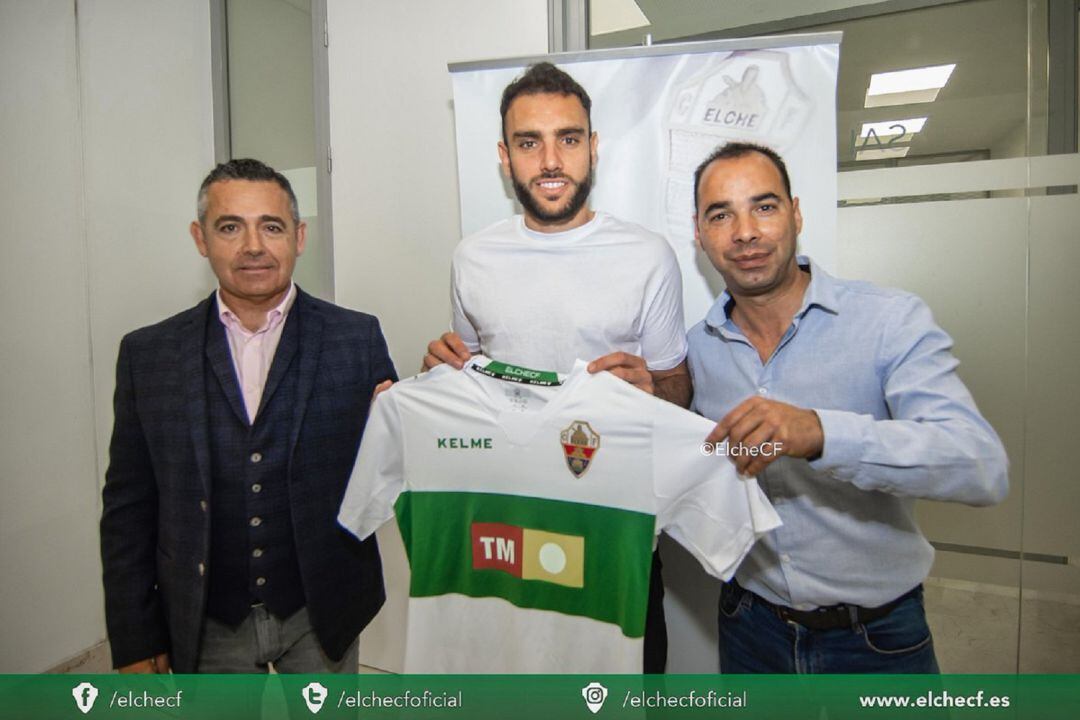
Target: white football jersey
(528,504)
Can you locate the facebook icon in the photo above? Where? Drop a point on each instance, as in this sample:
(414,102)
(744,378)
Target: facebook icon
(85,695)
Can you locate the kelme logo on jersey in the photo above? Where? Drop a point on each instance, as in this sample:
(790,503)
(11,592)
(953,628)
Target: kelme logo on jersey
(580,443)
(460,443)
(529,554)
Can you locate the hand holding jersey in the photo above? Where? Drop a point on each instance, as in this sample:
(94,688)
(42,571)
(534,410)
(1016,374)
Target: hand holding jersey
(535,506)
(449,349)
(758,422)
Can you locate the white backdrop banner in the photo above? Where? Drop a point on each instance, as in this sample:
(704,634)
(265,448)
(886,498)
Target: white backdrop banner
(658,112)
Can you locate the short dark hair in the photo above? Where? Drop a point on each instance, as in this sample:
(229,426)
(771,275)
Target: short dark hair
(732,150)
(543,77)
(246,169)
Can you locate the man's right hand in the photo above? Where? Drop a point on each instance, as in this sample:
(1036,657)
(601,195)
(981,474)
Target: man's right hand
(157,664)
(449,349)
(384,385)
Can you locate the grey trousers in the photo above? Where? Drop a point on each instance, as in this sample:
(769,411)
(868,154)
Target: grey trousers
(263,640)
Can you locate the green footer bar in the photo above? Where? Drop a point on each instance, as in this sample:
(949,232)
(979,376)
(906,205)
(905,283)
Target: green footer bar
(540,697)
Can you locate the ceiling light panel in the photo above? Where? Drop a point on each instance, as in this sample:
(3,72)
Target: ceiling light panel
(903,87)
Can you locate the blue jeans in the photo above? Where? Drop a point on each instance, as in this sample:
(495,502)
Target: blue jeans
(753,639)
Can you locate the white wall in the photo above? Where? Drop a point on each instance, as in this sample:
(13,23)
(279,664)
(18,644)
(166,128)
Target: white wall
(106,129)
(48,485)
(148,143)
(396,217)
(395,192)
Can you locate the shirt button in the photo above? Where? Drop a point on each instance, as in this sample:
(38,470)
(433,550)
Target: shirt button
(785,558)
(260,581)
(762,391)
(256,488)
(203,505)
(202,569)
(256,457)
(256,521)
(257,553)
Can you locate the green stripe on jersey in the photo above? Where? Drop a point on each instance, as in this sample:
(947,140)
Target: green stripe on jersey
(436,528)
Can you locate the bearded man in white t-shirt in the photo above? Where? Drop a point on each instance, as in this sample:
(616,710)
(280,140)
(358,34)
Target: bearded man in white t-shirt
(561,282)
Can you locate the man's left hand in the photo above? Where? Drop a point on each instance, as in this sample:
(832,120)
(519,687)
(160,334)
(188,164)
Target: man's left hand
(630,368)
(775,428)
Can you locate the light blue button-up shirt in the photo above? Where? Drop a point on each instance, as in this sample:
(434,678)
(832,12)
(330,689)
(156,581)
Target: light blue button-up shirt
(898,424)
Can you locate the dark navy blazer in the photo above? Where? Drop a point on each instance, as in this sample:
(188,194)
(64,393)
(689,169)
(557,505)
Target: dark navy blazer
(155,526)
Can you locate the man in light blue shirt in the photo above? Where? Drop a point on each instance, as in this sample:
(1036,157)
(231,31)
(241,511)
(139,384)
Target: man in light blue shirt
(843,399)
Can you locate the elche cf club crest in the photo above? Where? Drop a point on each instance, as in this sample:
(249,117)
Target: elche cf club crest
(580,443)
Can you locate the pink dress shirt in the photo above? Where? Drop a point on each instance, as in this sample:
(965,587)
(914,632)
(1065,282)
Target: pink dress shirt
(252,352)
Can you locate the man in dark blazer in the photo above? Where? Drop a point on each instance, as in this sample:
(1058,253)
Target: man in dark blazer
(236,428)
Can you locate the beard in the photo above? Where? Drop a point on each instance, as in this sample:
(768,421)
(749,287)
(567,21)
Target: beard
(558,215)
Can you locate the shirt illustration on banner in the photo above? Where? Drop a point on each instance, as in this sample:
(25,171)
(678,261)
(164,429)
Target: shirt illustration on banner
(748,96)
(531,551)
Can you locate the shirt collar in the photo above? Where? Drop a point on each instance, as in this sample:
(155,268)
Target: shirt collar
(273,318)
(821,292)
(563,236)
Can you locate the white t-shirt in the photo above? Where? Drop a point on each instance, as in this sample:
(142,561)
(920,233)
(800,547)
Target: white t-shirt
(542,300)
(528,513)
